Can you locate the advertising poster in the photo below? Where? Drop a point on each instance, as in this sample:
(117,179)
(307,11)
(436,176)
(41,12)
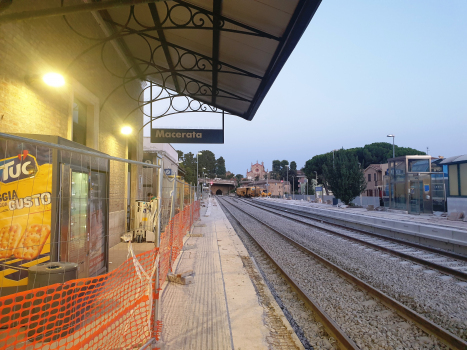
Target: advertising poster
(25,210)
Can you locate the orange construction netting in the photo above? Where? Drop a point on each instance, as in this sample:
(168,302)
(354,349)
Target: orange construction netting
(111,311)
(172,238)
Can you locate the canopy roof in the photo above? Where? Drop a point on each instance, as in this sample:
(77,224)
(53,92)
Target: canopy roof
(224,53)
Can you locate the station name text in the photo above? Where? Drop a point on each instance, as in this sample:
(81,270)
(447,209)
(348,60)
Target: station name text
(178,135)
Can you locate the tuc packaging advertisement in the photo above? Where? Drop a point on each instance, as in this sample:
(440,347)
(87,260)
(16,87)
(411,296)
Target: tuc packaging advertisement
(25,210)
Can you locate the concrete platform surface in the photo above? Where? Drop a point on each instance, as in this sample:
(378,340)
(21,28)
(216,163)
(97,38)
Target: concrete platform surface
(427,219)
(221,309)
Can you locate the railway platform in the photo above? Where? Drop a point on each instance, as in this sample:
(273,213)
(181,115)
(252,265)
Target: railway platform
(222,308)
(424,229)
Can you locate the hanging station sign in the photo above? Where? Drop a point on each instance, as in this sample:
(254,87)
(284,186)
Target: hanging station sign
(187,135)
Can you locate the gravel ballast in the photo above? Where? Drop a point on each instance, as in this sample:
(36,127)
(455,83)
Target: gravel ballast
(443,301)
(368,322)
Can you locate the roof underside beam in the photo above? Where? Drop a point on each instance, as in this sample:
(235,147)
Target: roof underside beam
(217,7)
(163,41)
(66,10)
(226,19)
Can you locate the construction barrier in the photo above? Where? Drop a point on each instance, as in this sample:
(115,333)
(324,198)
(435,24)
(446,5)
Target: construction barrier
(111,311)
(172,238)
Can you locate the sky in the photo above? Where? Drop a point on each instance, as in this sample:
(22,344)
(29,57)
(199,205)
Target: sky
(362,70)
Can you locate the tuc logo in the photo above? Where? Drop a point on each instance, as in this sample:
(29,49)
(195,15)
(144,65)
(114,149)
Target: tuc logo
(17,168)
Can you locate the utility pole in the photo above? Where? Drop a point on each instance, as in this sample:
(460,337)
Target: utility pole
(293,187)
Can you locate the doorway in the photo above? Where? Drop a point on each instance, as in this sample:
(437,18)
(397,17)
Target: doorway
(415,197)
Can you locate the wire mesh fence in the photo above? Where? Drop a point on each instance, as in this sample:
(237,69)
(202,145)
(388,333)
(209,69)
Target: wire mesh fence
(63,213)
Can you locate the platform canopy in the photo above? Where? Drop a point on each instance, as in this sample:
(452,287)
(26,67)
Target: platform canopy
(223,53)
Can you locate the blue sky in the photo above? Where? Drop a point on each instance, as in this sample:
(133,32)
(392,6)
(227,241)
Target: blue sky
(362,70)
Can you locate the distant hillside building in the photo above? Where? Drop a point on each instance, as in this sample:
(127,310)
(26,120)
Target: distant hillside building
(256,170)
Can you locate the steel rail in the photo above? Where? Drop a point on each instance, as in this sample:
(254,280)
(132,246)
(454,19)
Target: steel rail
(425,324)
(331,327)
(447,270)
(392,239)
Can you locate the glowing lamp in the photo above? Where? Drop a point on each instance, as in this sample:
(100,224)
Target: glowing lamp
(126,130)
(54,79)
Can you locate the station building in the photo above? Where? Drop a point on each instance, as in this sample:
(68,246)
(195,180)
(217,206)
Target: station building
(414,184)
(84,112)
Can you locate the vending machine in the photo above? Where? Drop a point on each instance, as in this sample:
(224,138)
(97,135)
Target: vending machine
(145,214)
(53,207)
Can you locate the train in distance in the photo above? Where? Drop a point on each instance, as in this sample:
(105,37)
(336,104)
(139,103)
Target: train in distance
(253,191)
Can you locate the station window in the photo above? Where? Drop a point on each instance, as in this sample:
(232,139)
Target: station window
(374,176)
(80,117)
(369,177)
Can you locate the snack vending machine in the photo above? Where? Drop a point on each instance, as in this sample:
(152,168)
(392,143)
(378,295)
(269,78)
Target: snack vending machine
(53,207)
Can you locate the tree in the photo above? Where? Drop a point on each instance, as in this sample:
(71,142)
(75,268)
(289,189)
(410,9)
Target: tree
(239,178)
(188,163)
(180,154)
(293,165)
(344,176)
(207,160)
(375,153)
(220,167)
(316,164)
(276,169)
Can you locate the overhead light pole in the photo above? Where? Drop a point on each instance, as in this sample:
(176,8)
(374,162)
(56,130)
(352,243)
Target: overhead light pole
(197,172)
(393,152)
(288,177)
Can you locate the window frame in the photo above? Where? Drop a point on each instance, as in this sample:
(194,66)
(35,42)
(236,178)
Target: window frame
(459,187)
(92,119)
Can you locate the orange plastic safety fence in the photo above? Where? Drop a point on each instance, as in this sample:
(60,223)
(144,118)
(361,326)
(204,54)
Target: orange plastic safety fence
(196,211)
(172,238)
(165,252)
(112,311)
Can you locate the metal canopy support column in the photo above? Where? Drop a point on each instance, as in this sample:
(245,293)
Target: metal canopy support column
(157,241)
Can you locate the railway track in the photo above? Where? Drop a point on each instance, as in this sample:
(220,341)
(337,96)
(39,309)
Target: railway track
(445,262)
(290,248)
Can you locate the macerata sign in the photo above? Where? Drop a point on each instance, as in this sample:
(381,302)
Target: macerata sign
(187,135)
